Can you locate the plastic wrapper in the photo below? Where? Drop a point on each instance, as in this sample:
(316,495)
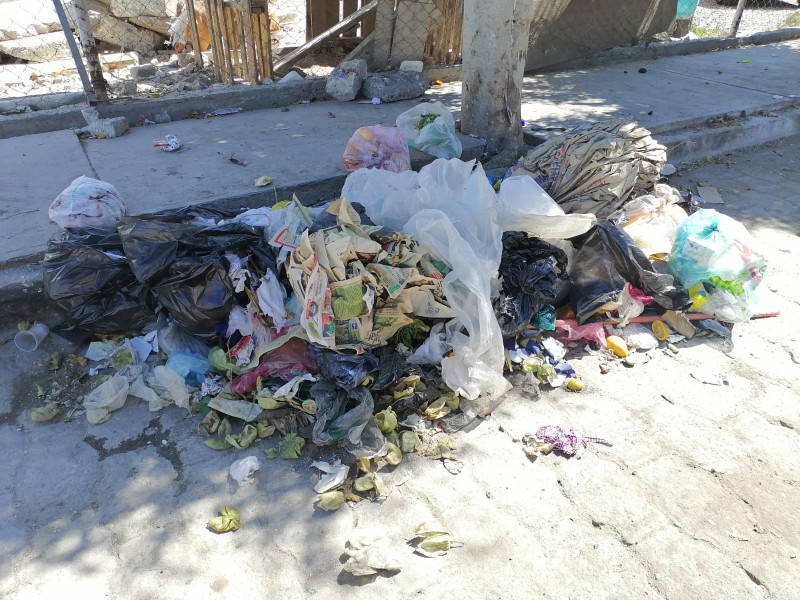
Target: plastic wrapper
(88,204)
(191,367)
(184,264)
(530,268)
(449,207)
(172,338)
(284,363)
(91,282)
(432,349)
(377,147)
(430,127)
(347,370)
(712,248)
(346,417)
(606,261)
(241,471)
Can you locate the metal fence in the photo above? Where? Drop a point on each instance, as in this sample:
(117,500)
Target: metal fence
(728,18)
(108,49)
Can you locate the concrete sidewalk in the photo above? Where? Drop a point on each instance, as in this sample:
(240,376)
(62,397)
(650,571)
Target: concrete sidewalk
(681,99)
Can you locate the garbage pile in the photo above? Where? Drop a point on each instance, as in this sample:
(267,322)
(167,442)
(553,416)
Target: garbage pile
(384,320)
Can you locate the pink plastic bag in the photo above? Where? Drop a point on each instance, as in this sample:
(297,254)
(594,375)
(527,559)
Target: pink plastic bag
(569,330)
(377,147)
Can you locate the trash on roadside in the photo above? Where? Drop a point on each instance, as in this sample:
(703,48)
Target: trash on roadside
(596,167)
(333,475)
(378,147)
(652,220)
(263,181)
(430,127)
(228,519)
(219,112)
(87,203)
(717,252)
(370,553)
(567,442)
(45,413)
(432,543)
(232,159)
(242,470)
(102,128)
(330,501)
(29,339)
(105,398)
(170,143)
(709,377)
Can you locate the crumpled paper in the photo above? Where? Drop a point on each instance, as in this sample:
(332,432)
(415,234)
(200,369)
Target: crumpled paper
(370,553)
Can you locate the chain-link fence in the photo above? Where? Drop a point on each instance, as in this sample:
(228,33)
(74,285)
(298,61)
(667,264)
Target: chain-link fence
(37,69)
(728,18)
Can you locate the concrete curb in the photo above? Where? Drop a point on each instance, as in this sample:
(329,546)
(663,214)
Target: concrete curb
(646,51)
(178,107)
(22,289)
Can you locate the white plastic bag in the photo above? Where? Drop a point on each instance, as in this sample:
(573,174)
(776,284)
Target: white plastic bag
(653,219)
(522,205)
(432,350)
(449,206)
(105,398)
(242,470)
(430,127)
(88,204)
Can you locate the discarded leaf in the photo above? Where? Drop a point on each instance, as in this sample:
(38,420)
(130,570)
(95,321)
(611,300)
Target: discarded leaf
(229,519)
(44,413)
(431,543)
(409,442)
(444,445)
(218,444)
(330,500)
(394,455)
(209,424)
(370,481)
(269,402)
(442,407)
(243,440)
(309,406)
(393,438)
(24,325)
(263,181)
(291,446)
(364,465)
(264,430)
(387,420)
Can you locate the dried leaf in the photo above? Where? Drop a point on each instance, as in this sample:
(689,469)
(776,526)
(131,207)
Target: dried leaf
(209,424)
(443,406)
(44,413)
(364,465)
(76,361)
(264,430)
(263,181)
(309,406)
(225,428)
(409,442)
(370,481)
(330,500)
(387,420)
(430,542)
(291,446)
(393,456)
(269,402)
(218,444)
(243,440)
(229,519)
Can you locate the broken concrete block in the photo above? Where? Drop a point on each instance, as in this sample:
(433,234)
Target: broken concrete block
(125,35)
(143,71)
(158,24)
(144,8)
(38,48)
(394,85)
(111,128)
(411,65)
(345,81)
(125,88)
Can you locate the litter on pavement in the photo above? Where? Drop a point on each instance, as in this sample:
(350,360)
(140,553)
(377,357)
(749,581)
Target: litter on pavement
(383,321)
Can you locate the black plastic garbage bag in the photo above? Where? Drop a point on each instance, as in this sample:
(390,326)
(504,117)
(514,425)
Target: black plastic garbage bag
(347,370)
(608,259)
(531,269)
(89,279)
(183,263)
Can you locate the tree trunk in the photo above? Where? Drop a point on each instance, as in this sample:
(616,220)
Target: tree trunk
(496,37)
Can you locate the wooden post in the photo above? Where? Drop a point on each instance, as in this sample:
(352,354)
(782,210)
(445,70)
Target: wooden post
(216,51)
(231,27)
(248,43)
(737,18)
(86,38)
(266,40)
(198,55)
(226,43)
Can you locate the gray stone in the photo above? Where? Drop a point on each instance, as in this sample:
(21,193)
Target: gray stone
(38,48)
(394,85)
(126,88)
(111,128)
(126,36)
(143,71)
(345,81)
(185,59)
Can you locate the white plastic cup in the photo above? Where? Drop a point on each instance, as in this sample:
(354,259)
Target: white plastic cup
(28,341)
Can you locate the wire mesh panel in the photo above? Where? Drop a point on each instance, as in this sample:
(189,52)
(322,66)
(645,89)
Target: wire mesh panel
(716,18)
(37,70)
